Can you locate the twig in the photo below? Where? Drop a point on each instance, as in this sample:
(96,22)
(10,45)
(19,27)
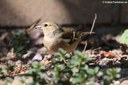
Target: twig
(93,24)
(33,25)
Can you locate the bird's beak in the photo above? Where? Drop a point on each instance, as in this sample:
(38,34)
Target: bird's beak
(38,27)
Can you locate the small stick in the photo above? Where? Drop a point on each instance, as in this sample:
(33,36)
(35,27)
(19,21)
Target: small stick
(33,25)
(93,24)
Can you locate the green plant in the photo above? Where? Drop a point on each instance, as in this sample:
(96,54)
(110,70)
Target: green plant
(3,71)
(124,37)
(74,69)
(38,73)
(110,75)
(19,42)
(8,81)
(69,69)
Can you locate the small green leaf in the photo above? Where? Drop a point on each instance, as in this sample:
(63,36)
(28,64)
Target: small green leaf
(58,69)
(124,37)
(75,61)
(90,71)
(78,79)
(75,70)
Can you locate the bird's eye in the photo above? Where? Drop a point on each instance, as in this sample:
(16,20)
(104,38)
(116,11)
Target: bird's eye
(45,25)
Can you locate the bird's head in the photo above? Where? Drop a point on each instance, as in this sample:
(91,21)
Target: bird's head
(48,27)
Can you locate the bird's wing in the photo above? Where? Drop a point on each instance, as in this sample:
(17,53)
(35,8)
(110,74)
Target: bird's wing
(71,36)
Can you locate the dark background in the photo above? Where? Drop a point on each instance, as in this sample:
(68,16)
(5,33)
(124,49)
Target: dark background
(20,13)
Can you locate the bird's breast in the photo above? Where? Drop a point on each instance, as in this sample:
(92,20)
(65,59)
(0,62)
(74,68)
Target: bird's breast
(51,43)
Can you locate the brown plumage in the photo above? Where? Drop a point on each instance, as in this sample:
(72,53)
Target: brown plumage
(55,38)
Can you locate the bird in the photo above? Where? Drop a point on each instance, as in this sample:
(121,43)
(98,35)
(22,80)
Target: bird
(55,37)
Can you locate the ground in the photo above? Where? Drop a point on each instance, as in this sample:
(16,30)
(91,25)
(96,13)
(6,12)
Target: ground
(19,49)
